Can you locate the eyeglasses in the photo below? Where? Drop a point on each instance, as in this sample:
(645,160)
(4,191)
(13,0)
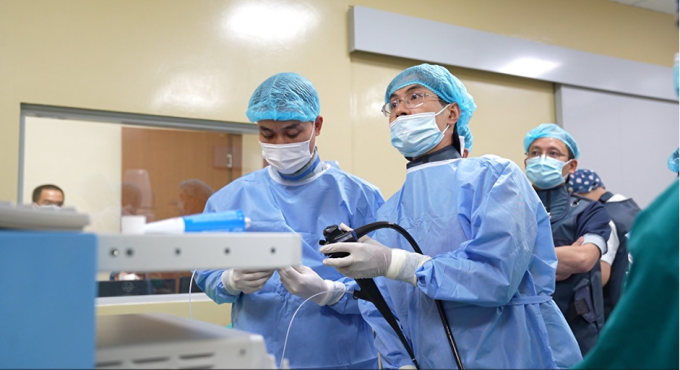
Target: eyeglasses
(50,203)
(412,100)
(552,153)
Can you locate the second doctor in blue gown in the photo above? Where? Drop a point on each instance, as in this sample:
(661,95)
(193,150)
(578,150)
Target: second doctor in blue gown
(296,193)
(486,238)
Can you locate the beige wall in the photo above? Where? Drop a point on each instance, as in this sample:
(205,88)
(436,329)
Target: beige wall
(596,26)
(202,59)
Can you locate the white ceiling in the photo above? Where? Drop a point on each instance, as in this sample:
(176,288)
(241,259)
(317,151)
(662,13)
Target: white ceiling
(663,6)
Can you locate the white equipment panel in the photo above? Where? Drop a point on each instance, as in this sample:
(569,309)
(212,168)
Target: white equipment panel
(161,341)
(249,250)
(32,217)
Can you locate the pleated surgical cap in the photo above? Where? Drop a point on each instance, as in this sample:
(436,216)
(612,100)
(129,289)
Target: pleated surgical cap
(673,163)
(284,97)
(554,131)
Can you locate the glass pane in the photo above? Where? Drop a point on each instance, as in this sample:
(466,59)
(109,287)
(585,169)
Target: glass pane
(109,171)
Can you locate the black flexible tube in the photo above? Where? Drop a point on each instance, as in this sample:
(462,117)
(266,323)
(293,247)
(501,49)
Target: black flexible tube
(363,230)
(369,290)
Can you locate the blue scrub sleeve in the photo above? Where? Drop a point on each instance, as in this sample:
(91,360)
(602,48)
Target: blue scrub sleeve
(392,351)
(487,269)
(210,281)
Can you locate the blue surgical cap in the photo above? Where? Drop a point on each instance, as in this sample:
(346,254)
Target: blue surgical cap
(284,97)
(584,181)
(441,82)
(673,164)
(554,131)
(465,132)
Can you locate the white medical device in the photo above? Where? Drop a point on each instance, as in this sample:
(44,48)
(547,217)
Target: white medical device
(162,341)
(165,341)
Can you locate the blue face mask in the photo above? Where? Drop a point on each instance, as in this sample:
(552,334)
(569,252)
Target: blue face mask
(545,172)
(416,134)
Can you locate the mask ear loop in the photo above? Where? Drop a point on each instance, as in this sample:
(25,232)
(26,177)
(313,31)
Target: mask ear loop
(438,113)
(566,178)
(311,152)
(448,125)
(446,129)
(313,130)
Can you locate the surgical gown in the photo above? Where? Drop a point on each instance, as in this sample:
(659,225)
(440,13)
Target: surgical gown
(493,267)
(321,337)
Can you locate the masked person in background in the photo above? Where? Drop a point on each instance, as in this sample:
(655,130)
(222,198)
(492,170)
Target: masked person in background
(488,255)
(622,210)
(297,193)
(580,230)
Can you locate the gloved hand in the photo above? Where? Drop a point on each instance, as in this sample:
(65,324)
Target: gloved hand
(304,283)
(369,258)
(246,281)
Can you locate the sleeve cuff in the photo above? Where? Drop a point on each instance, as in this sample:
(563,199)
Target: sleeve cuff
(228,282)
(597,240)
(335,291)
(403,265)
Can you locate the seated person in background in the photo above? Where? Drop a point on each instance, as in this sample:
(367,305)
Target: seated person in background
(48,195)
(193,195)
(131,199)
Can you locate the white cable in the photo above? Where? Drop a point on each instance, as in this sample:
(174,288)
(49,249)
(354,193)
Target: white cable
(285,342)
(191,282)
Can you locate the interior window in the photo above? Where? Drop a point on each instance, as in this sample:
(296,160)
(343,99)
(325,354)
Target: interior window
(112,170)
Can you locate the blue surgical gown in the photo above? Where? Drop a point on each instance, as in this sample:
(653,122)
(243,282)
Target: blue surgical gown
(334,336)
(493,267)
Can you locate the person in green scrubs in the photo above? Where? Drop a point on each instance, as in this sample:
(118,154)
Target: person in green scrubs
(642,331)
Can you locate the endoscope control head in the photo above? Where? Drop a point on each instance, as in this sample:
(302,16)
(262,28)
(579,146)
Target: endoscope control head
(333,234)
